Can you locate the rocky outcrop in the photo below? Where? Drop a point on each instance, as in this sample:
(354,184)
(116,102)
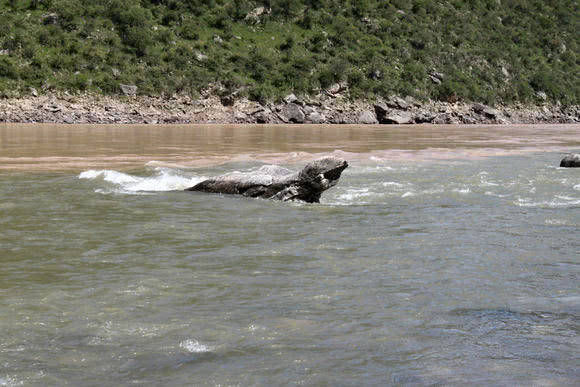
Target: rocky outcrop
(571,161)
(209,107)
(273,182)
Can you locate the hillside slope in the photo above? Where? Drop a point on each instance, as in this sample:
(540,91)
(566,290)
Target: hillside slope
(491,51)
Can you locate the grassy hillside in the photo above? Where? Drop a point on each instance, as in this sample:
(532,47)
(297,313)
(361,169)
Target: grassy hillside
(492,51)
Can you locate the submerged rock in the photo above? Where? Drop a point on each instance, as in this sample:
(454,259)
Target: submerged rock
(273,182)
(571,161)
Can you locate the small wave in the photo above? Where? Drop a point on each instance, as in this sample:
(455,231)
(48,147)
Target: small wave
(557,202)
(392,184)
(489,193)
(577,187)
(352,194)
(162,180)
(194,346)
(557,222)
(10,381)
(462,190)
(408,194)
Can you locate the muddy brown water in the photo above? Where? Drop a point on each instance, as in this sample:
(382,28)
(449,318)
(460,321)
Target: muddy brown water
(445,255)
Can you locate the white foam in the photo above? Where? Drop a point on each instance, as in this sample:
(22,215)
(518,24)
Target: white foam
(392,184)
(577,187)
(408,194)
(557,202)
(163,179)
(10,381)
(353,195)
(194,346)
(462,190)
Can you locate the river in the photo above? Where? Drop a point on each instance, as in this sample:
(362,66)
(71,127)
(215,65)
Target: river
(445,255)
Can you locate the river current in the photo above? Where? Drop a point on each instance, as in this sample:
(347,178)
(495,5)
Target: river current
(444,255)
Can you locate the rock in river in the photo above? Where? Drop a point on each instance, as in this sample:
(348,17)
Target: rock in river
(571,161)
(274,182)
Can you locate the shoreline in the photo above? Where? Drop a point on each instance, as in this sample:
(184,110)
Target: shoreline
(322,109)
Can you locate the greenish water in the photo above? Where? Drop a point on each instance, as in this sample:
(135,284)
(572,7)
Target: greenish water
(453,261)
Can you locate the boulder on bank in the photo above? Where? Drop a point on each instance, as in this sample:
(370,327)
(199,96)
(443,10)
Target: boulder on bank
(316,118)
(294,113)
(486,111)
(385,116)
(368,118)
(399,118)
(571,161)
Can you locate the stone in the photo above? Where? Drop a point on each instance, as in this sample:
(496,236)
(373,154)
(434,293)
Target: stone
(254,15)
(542,95)
(505,72)
(240,116)
(435,80)
(262,117)
(290,98)
(367,117)
(228,100)
(293,113)
(336,88)
(129,90)
(397,103)
(398,118)
(436,77)
(381,111)
(491,113)
(316,118)
(478,108)
(53,108)
(200,57)
(571,161)
(277,183)
(424,118)
(50,18)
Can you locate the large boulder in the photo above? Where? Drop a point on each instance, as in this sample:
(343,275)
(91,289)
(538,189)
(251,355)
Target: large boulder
(381,111)
(367,118)
(571,161)
(274,182)
(400,118)
(294,113)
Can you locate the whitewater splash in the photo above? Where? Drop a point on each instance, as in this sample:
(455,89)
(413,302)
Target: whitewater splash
(379,183)
(161,180)
(194,346)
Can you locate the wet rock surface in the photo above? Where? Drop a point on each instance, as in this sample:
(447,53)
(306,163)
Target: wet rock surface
(277,183)
(571,161)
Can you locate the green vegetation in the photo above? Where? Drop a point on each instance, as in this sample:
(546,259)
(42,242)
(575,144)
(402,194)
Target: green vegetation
(488,50)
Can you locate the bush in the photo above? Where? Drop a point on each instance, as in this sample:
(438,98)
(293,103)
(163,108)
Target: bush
(8,68)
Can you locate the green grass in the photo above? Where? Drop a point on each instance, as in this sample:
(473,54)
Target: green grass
(489,51)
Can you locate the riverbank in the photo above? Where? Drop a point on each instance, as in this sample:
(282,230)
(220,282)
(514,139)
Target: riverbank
(328,108)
